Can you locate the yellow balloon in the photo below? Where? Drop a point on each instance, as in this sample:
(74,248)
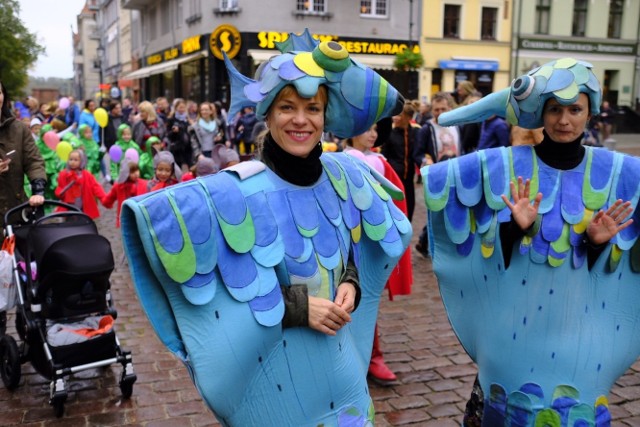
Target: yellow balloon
(329,146)
(63,149)
(101,117)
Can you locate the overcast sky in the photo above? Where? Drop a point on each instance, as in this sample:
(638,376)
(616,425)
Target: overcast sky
(52,22)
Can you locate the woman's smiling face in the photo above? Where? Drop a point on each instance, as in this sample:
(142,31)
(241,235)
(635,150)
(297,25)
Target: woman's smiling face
(296,123)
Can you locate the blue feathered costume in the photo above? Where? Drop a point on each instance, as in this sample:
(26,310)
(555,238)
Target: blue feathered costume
(208,258)
(550,336)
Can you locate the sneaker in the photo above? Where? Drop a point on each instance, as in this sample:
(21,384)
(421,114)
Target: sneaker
(422,250)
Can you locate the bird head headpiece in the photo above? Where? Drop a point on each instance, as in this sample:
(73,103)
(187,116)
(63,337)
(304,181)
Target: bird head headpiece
(357,96)
(522,104)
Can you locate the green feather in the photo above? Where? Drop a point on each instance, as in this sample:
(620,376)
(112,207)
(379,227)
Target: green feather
(375,232)
(180,266)
(242,237)
(548,418)
(339,182)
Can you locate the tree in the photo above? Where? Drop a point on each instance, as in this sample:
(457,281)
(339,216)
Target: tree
(408,60)
(19,49)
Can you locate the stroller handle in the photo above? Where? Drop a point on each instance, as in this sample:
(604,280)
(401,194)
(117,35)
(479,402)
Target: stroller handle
(34,209)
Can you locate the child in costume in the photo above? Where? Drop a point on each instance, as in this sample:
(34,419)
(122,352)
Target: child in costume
(78,187)
(90,146)
(166,172)
(153,146)
(401,278)
(265,278)
(52,163)
(536,257)
(128,184)
(125,142)
(204,166)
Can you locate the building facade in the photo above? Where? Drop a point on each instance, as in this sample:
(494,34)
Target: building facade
(86,71)
(465,40)
(178,50)
(604,33)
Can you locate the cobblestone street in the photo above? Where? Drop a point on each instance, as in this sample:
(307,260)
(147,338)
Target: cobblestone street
(435,374)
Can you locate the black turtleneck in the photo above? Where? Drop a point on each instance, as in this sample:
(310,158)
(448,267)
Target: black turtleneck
(558,155)
(293,169)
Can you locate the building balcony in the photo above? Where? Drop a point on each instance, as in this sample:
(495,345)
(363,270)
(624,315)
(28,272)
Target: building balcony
(136,4)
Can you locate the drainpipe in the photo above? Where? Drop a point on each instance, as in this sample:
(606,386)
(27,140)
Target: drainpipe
(514,71)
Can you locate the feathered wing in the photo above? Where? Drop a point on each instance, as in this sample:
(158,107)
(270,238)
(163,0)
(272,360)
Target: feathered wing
(547,332)
(208,258)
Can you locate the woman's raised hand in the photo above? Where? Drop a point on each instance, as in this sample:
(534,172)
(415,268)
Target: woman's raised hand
(523,212)
(606,224)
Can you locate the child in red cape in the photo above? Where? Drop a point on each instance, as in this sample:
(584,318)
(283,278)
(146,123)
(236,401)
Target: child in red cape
(79,187)
(167,173)
(128,184)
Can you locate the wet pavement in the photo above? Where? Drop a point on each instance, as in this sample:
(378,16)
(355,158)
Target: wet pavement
(434,372)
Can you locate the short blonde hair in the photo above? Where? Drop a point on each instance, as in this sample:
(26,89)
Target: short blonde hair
(147,107)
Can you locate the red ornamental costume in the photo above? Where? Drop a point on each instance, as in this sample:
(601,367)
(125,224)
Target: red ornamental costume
(121,192)
(74,186)
(401,277)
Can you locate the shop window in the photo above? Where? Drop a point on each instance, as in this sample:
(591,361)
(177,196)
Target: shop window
(579,17)
(489,23)
(451,21)
(373,8)
(311,6)
(615,19)
(543,10)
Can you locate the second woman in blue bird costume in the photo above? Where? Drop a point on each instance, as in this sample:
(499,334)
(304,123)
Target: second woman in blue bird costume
(548,307)
(252,276)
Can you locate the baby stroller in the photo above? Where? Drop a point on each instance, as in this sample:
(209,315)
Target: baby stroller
(62,267)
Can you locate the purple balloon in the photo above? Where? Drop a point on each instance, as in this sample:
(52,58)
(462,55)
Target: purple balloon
(132,154)
(115,153)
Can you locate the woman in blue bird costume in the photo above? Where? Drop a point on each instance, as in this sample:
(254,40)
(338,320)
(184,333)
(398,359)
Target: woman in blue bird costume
(548,306)
(252,276)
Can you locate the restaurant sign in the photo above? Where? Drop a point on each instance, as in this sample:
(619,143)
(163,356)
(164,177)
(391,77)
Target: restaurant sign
(578,46)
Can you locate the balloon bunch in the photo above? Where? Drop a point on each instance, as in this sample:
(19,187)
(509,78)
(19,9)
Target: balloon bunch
(62,148)
(115,154)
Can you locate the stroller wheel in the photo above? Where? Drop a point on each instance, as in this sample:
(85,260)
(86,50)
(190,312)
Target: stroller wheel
(58,405)
(126,385)
(9,362)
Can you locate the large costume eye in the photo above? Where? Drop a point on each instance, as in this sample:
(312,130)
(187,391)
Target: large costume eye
(331,56)
(522,87)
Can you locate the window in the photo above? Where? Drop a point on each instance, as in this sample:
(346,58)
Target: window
(311,6)
(165,17)
(489,23)
(377,8)
(615,19)
(228,4)
(579,17)
(451,21)
(195,7)
(111,13)
(153,24)
(178,13)
(543,10)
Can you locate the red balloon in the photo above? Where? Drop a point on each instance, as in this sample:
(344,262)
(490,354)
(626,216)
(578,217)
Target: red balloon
(51,139)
